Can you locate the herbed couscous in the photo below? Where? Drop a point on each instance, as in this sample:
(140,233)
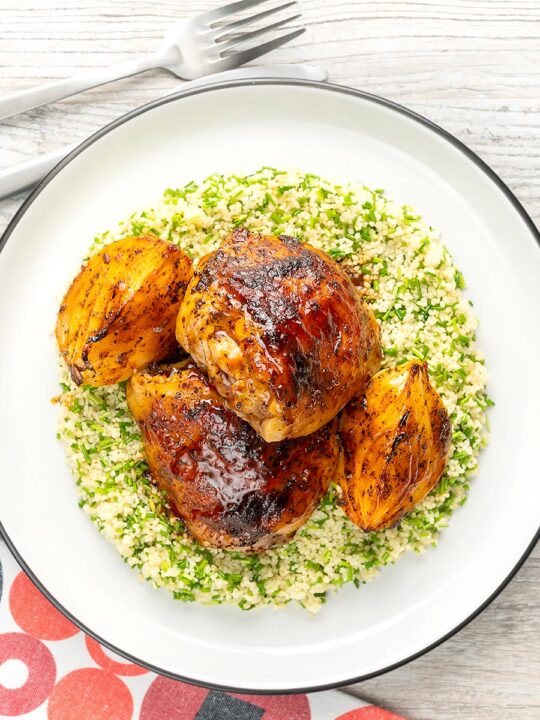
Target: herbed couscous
(411,283)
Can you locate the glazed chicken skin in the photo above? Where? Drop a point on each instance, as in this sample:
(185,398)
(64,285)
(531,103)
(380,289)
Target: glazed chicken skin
(281,332)
(119,312)
(231,488)
(396,440)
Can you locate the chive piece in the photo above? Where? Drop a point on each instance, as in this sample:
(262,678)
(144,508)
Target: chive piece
(459,280)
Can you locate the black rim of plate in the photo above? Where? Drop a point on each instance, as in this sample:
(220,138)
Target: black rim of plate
(329,87)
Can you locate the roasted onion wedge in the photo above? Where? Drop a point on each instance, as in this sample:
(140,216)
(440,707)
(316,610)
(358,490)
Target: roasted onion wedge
(396,441)
(231,488)
(120,311)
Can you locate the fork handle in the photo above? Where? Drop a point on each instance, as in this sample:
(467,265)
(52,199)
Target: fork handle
(28,99)
(27,174)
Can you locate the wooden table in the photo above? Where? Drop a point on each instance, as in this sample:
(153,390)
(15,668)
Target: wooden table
(473,66)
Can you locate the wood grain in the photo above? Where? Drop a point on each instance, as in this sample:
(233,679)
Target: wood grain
(473,66)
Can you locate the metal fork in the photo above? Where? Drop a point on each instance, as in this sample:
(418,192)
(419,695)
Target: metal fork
(198,46)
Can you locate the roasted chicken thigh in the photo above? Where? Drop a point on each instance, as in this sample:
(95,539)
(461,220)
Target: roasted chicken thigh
(281,332)
(231,488)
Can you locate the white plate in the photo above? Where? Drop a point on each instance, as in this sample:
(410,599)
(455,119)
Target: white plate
(237,127)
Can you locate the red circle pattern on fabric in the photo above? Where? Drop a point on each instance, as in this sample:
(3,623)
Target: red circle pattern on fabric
(369,713)
(169,699)
(99,656)
(90,694)
(34,614)
(41,673)
(178,701)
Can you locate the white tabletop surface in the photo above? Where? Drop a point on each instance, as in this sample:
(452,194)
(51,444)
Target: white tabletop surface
(473,66)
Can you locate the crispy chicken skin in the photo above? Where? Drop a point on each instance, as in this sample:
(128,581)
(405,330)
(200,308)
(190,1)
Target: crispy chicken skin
(396,441)
(120,311)
(281,332)
(231,488)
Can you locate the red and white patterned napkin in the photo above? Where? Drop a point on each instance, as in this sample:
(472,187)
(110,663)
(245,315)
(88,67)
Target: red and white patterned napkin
(50,669)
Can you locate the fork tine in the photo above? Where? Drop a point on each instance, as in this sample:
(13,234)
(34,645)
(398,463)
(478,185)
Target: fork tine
(222,12)
(241,57)
(227,27)
(228,44)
